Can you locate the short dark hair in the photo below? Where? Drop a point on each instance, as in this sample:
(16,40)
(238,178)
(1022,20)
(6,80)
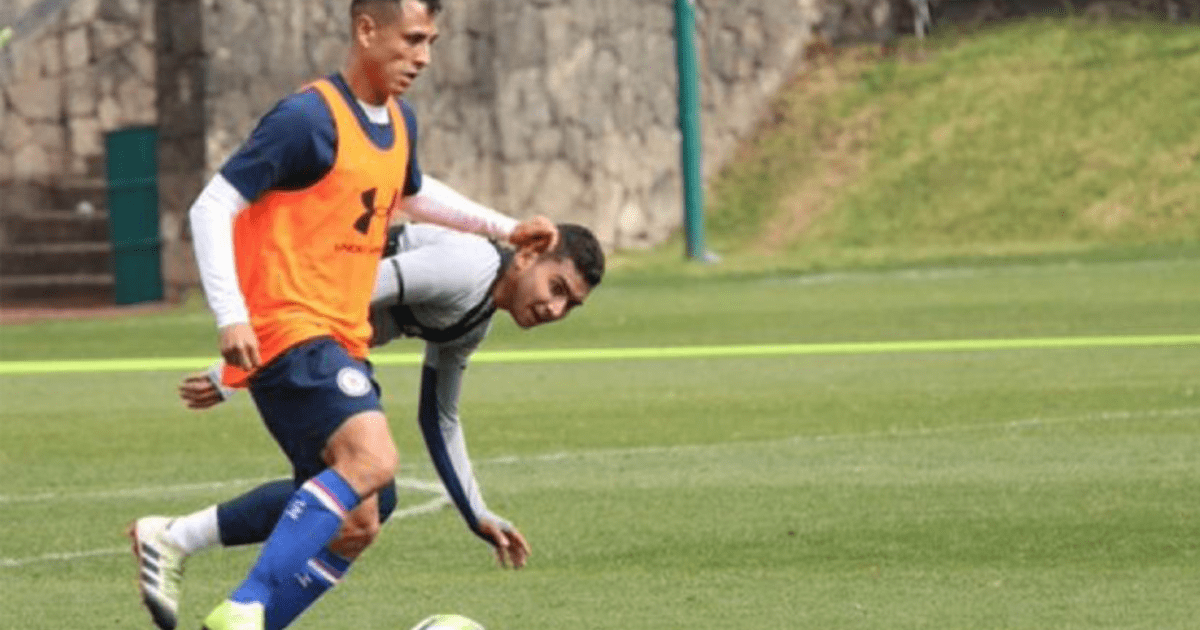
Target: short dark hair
(580,245)
(360,6)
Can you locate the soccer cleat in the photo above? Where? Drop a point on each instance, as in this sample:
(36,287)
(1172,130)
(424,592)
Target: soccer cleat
(234,616)
(160,569)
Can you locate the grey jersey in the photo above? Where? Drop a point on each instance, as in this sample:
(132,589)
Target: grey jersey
(438,277)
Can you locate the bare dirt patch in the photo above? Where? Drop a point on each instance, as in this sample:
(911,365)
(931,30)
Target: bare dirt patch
(841,150)
(841,158)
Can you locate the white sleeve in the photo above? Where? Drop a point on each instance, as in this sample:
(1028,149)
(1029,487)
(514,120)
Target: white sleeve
(211,220)
(437,203)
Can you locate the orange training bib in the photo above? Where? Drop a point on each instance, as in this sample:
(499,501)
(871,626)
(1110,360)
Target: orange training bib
(306,259)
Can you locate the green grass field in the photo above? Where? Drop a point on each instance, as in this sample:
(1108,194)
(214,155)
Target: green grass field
(1017,489)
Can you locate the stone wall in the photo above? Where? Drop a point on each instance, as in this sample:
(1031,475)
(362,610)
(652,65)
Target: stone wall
(91,70)
(565,107)
(562,107)
(87,71)
(557,107)
(183,65)
(257,52)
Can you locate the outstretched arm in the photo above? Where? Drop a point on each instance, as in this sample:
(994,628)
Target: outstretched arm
(437,203)
(441,380)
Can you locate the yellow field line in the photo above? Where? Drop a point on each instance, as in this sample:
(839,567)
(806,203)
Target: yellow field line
(570,355)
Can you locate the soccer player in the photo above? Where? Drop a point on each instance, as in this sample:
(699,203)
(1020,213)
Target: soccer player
(287,238)
(435,284)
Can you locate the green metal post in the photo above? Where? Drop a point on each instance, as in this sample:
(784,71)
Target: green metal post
(131,157)
(689,127)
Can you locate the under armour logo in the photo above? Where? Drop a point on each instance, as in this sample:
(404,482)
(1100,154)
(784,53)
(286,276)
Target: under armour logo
(295,509)
(363,224)
(304,579)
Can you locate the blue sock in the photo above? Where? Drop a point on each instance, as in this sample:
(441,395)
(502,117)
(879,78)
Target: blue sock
(249,518)
(322,573)
(295,595)
(312,518)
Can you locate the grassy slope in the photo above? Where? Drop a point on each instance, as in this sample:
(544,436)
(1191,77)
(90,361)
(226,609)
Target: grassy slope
(1056,137)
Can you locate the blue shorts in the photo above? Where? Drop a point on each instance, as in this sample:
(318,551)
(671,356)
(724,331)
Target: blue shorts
(306,393)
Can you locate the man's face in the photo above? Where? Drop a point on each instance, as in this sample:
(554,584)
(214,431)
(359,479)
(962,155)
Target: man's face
(545,289)
(399,49)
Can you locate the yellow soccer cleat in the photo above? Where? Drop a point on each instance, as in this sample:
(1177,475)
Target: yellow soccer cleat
(234,616)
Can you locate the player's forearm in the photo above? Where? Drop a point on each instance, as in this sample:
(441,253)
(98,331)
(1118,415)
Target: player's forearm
(438,203)
(445,442)
(211,218)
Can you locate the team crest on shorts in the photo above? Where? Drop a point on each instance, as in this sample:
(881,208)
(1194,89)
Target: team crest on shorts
(353,382)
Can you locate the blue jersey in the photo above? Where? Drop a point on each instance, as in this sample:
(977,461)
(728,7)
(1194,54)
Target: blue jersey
(295,144)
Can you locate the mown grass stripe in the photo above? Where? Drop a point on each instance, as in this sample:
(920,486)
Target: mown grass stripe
(568,355)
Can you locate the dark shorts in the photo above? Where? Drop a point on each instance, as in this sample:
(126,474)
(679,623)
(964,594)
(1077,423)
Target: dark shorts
(306,393)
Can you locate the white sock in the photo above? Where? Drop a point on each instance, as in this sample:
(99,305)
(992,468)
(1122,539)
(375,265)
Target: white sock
(195,532)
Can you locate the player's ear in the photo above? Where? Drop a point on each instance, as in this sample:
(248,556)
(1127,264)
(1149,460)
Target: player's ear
(525,258)
(363,28)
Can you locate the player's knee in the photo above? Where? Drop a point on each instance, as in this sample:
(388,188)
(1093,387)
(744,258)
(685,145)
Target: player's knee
(354,538)
(359,529)
(368,474)
(379,465)
(364,533)
(363,452)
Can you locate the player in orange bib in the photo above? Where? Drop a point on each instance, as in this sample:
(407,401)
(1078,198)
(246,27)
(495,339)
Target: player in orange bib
(288,236)
(306,259)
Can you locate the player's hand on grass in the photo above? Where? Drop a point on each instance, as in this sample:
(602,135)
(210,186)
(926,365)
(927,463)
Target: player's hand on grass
(511,547)
(239,346)
(538,233)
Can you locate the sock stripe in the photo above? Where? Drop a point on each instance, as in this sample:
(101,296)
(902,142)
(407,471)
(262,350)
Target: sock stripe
(324,571)
(325,496)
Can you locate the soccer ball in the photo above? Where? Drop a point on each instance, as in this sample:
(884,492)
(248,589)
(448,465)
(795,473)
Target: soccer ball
(448,622)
